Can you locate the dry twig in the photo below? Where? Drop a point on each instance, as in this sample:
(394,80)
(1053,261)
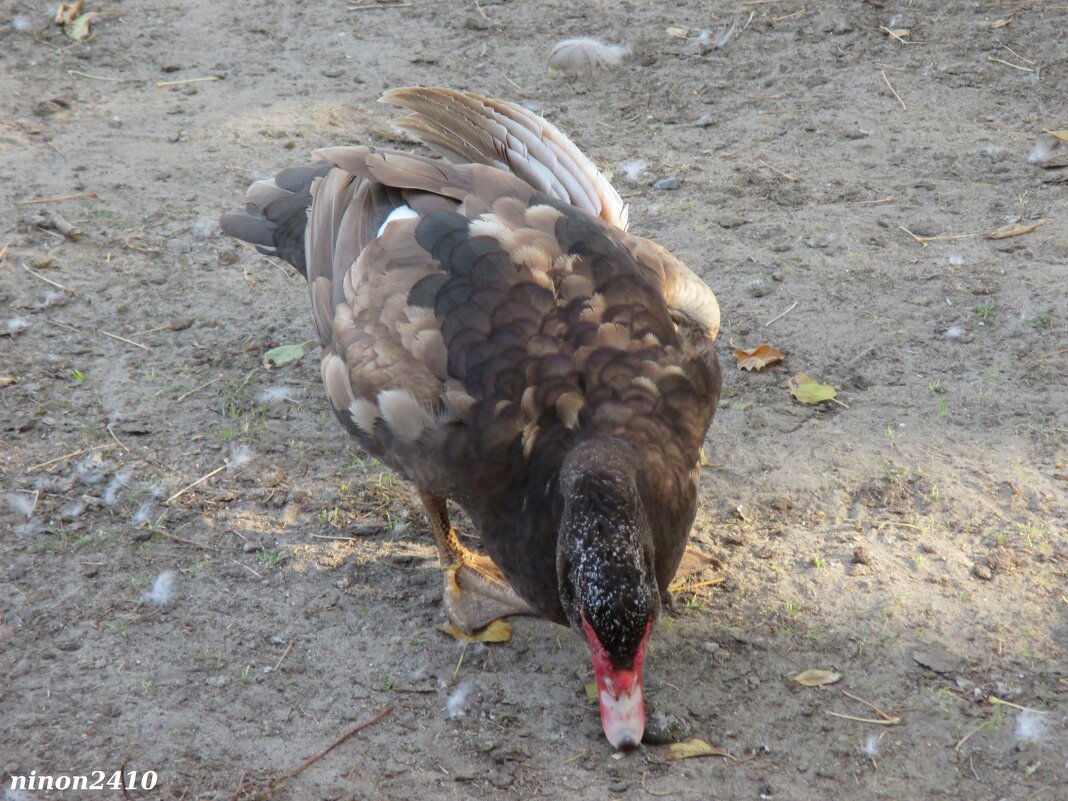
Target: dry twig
(780,316)
(36,274)
(891,87)
(123,339)
(57,199)
(199,481)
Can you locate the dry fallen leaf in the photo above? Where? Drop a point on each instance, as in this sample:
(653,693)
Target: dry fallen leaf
(5,380)
(497,631)
(68,12)
(78,29)
(678,33)
(807,390)
(898,33)
(1062,135)
(817,678)
(1017,229)
(283,355)
(757,358)
(591,692)
(694,748)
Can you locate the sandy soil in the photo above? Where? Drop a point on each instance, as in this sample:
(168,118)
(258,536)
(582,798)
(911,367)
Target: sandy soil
(912,539)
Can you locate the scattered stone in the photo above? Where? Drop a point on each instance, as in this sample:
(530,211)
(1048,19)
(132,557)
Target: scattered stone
(46,108)
(662,729)
(861,556)
(141,535)
(936,658)
(734,538)
(731,221)
(251,547)
(758,287)
(365,530)
(981,570)
(669,183)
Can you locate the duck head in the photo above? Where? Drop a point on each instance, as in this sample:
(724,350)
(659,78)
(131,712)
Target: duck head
(605,571)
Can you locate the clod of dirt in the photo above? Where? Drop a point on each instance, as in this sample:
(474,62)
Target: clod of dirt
(662,728)
(981,570)
(936,658)
(758,287)
(365,529)
(861,556)
(46,108)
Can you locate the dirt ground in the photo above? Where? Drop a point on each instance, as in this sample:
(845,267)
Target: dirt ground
(912,538)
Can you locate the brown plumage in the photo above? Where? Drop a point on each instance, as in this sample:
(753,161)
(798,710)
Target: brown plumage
(490,331)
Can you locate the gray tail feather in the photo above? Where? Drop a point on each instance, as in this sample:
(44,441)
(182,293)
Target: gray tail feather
(276,213)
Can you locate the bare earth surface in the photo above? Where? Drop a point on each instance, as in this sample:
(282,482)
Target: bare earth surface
(912,539)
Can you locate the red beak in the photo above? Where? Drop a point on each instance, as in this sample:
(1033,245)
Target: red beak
(619,692)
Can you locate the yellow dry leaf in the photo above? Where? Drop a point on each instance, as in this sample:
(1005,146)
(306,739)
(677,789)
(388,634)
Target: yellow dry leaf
(694,748)
(78,29)
(678,33)
(807,390)
(757,358)
(817,678)
(497,631)
(5,380)
(898,33)
(1017,229)
(591,692)
(1062,135)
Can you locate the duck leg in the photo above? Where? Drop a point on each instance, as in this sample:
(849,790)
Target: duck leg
(476,593)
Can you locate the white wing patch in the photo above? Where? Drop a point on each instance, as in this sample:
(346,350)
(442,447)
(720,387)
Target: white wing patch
(364,414)
(403,413)
(336,380)
(399,213)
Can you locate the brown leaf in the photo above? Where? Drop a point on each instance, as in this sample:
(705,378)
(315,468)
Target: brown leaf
(68,12)
(817,678)
(1017,229)
(497,631)
(6,380)
(694,748)
(757,358)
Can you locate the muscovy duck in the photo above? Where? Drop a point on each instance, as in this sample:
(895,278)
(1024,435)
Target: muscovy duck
(491,331)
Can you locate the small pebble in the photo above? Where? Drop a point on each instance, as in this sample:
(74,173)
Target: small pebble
(671,182)
(758,287)
(982,571)
(730,221)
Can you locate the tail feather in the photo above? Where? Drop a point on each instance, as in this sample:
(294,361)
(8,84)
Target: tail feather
(465,127)
(275,214)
